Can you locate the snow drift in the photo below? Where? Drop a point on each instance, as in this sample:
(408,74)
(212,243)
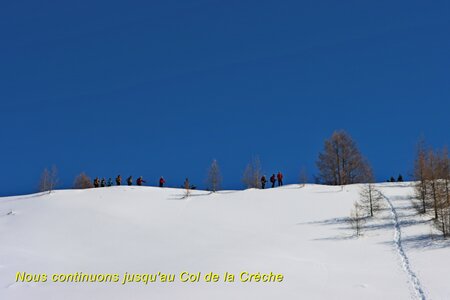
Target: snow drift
(145,233)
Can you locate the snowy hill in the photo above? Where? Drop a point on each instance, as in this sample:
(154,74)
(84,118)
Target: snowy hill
(298,232)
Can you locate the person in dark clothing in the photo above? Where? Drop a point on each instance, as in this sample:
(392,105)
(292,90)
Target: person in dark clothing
(103,182)
(263,181)
(392,179)
(272,180)
(400,178)
(119,180)
(161,182)
(109,182)
(280,179)
(139,181)
(130,180)
(96,182)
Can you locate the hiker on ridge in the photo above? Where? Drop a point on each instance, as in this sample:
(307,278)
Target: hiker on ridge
(280,179)
(139,181)
(263,181)
(272,180)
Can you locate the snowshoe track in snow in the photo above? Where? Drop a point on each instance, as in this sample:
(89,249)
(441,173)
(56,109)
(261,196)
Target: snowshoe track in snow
(414,280)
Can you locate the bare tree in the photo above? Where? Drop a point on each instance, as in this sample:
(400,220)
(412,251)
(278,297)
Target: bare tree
(303,177)
(82,181)
(341,163)
(214,179)
(370,199)
(356,219)
(442,222)
(445,175)
(49,180)
(432,175)
(187,188)
(442,204)
(420,177)
(252,173)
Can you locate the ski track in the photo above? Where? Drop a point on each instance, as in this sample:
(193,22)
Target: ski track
(414,280)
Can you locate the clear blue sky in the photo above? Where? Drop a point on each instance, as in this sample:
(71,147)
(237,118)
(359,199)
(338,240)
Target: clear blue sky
(162,87)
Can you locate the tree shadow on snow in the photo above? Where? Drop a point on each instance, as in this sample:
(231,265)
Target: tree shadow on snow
(390,225)
(338,237)
(401,185)
(343,224)
(378,226)
(332,221)
(226,192)
(369,225)
(428,241)
(330,192)
(184,196)
(26,197)
(400,197)
(291,187)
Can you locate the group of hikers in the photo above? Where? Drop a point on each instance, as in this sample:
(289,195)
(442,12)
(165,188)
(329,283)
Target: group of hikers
(279,178)
(399,178)
(103,183)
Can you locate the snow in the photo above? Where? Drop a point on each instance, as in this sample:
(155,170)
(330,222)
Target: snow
(298,231)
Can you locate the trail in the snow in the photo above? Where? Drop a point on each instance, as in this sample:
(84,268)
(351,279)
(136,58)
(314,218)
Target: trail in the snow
(418,289)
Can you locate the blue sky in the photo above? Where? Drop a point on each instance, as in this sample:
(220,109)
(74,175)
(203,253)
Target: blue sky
(157,88)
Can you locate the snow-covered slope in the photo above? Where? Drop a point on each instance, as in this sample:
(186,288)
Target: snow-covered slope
(299,232)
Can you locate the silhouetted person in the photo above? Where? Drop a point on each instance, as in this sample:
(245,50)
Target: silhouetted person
(130,180)
(140,181)
(392,179)
(161,182)
(109,182)
(119,180)
(400,178)
(263,182)
(186,184)
(103,182)
(280,179)
(272,180)
(96,182)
